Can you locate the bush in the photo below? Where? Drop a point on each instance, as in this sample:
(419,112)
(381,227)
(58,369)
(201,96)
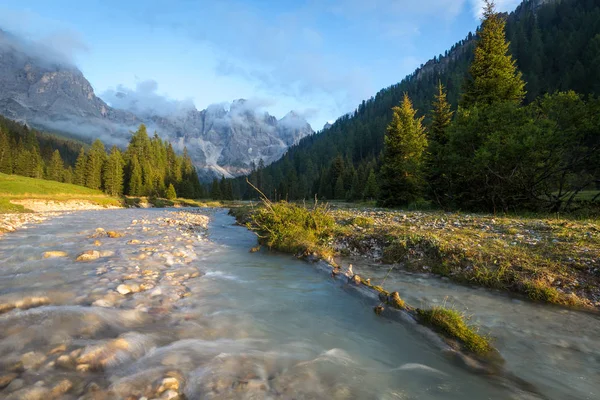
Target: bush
(294,229)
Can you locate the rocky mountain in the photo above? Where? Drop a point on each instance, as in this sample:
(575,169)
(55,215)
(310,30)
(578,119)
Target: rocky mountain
(37,88)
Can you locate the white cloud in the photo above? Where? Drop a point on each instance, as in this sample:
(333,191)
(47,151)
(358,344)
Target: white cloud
(145,100)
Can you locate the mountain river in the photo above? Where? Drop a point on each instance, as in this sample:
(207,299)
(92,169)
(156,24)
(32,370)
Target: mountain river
(171,312)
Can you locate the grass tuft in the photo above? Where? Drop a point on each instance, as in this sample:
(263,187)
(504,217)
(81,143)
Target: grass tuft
(452,324)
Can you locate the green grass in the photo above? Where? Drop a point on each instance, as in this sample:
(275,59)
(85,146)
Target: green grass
(15,187)
(546,259)
(452,323)
(291,228)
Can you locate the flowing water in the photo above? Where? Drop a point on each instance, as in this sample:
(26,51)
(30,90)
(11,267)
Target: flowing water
(207,319)
(554,348)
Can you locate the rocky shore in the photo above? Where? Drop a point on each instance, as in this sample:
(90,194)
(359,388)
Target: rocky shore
(123,294)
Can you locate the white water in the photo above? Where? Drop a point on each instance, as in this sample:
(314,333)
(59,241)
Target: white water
(250,326)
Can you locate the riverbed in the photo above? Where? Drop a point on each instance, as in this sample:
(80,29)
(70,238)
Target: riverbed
(166,309)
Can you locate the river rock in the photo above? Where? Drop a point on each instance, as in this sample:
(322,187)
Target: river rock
(55,254)
(65,362)
(30,393)
(114,234)
(88,255)
(170,383)
(61,388)
(58,349)
(134,241)
(124,289)
(33,360)
(6,307)
(5,380)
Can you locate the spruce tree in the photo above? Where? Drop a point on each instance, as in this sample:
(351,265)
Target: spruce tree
(215,191)
(55,169)
(113,173)
(403,157)
(371,188)
(339,193)
(441,117)
(135,178)
(6,159)
(94,165)
(493,75)
(79,173)
(171,194)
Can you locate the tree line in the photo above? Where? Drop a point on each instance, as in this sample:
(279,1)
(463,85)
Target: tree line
(149,166)
(345,162)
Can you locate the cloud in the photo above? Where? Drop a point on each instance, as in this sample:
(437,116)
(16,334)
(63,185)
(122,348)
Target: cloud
(41,37)
(145,100)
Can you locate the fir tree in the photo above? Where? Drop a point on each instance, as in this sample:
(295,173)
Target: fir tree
(55,168)
(6,161)
(215,191)
(113,173)
(441,117)
(94,165)
(402,168)
(79,173)
(493,75)
(171,194)
(135,178)
(339,192)
(371,188)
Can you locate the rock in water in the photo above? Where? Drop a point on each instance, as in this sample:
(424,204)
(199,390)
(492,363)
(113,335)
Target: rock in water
(88,255)
(55,254)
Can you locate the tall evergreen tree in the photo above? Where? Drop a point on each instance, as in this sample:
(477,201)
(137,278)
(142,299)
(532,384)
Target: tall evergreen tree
(371,188)
(171,194)
(113,173)
(55,169)
(441,117)
(403,157)
(493,75)
(6,160)
(94,165)
(135,178)
(79,173)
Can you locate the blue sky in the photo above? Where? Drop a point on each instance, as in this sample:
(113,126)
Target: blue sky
(317,57)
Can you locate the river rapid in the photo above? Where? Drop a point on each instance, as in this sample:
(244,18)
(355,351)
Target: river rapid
(171,312)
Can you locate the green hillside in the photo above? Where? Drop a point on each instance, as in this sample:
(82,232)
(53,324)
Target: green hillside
(556,46)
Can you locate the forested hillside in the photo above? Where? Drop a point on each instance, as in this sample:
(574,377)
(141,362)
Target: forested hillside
(556,45)
(148,167)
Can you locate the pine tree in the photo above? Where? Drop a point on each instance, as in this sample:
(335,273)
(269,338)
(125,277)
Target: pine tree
(402,168)
(79,173)
(441,117)
(67,176)
(493,75)
(55,168)
(113,173)
(6,159)
(339,192)
(171,194)
(135,178)
(215,191)
(94,165)
(371,188)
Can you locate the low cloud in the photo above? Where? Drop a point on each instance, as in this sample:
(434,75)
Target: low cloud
(145,100)
(39,37)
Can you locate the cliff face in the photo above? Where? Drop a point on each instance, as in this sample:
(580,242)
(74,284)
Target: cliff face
(222,140)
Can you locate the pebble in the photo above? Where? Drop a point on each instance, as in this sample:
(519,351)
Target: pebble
(5,380)
(124,289)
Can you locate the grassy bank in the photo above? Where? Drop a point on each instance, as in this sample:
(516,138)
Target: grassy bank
(18,188)
(548,259)
(15,187)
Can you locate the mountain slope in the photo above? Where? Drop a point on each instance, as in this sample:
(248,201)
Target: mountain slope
(557,47)
(42,91)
